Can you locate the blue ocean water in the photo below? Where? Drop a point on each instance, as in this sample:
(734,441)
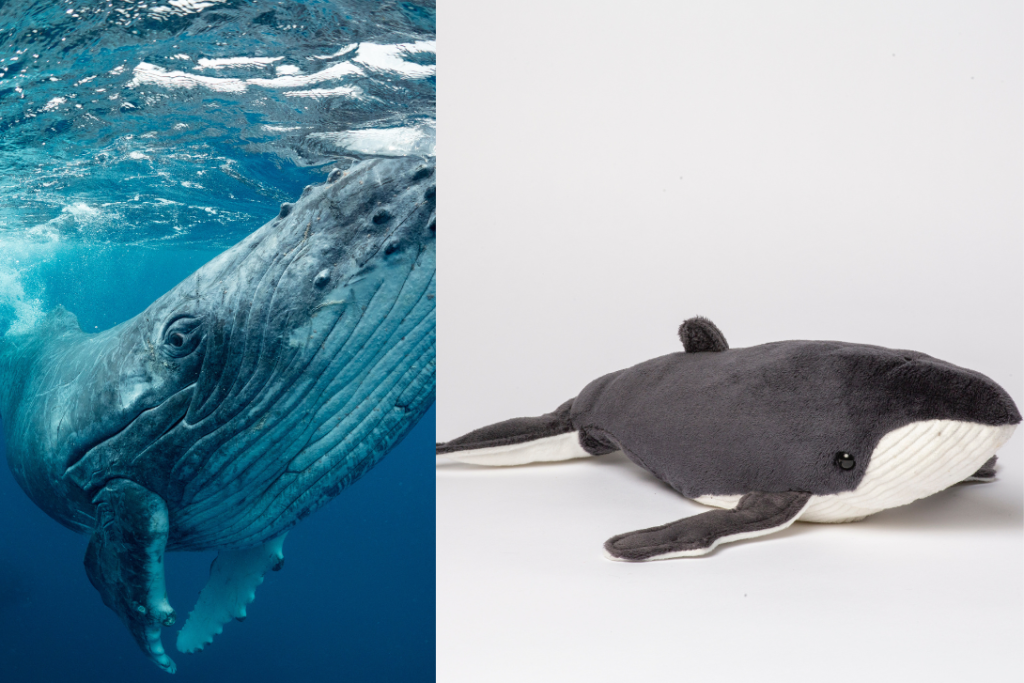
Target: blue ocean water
(137,141)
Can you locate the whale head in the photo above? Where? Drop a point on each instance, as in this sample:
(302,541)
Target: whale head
(256,389)
(929,425)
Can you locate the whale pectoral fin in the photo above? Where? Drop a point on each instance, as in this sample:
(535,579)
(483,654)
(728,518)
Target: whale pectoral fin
(987,472)
(234,576)
(756,515)
(125,562)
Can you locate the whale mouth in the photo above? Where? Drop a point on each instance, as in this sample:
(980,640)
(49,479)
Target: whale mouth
(113,456)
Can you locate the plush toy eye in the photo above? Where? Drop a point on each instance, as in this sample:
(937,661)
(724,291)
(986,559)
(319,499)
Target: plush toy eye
(845,461)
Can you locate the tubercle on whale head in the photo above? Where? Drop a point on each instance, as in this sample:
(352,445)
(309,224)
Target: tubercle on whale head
(335,233)
(297,265)
(378,206)
(330,235)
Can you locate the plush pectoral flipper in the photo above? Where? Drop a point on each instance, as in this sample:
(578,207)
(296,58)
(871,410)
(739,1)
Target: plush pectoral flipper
(756,515)
(985,473)
(521,440)
(125,562)
(234,576)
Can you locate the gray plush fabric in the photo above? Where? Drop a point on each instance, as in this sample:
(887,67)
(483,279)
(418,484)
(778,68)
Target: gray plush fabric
(755,512)
(516,430)
(700,334)
(771,418)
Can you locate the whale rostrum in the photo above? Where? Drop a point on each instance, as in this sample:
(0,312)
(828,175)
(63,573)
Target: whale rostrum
(239,402)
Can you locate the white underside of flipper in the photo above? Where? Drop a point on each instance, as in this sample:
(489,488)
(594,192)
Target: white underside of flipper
(726,502)
(908,464)
(697,552)
(234,576)
(549,449)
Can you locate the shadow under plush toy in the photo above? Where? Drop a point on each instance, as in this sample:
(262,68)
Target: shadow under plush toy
(812,430)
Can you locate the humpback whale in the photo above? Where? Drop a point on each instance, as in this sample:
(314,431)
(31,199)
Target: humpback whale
(816,431)
(236,404)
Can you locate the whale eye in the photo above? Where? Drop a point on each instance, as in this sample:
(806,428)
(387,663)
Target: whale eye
(845,461)
(182,337)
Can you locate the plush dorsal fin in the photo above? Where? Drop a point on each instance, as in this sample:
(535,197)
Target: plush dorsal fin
(700,334)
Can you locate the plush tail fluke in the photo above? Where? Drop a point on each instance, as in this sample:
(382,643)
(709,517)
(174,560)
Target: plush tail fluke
(521,440)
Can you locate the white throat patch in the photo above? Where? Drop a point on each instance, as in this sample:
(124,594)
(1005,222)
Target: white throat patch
(909,463)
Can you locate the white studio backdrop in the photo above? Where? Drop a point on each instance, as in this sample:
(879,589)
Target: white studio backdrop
(791,170)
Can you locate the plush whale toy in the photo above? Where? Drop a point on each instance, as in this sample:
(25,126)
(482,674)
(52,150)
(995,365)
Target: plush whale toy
(816,431)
